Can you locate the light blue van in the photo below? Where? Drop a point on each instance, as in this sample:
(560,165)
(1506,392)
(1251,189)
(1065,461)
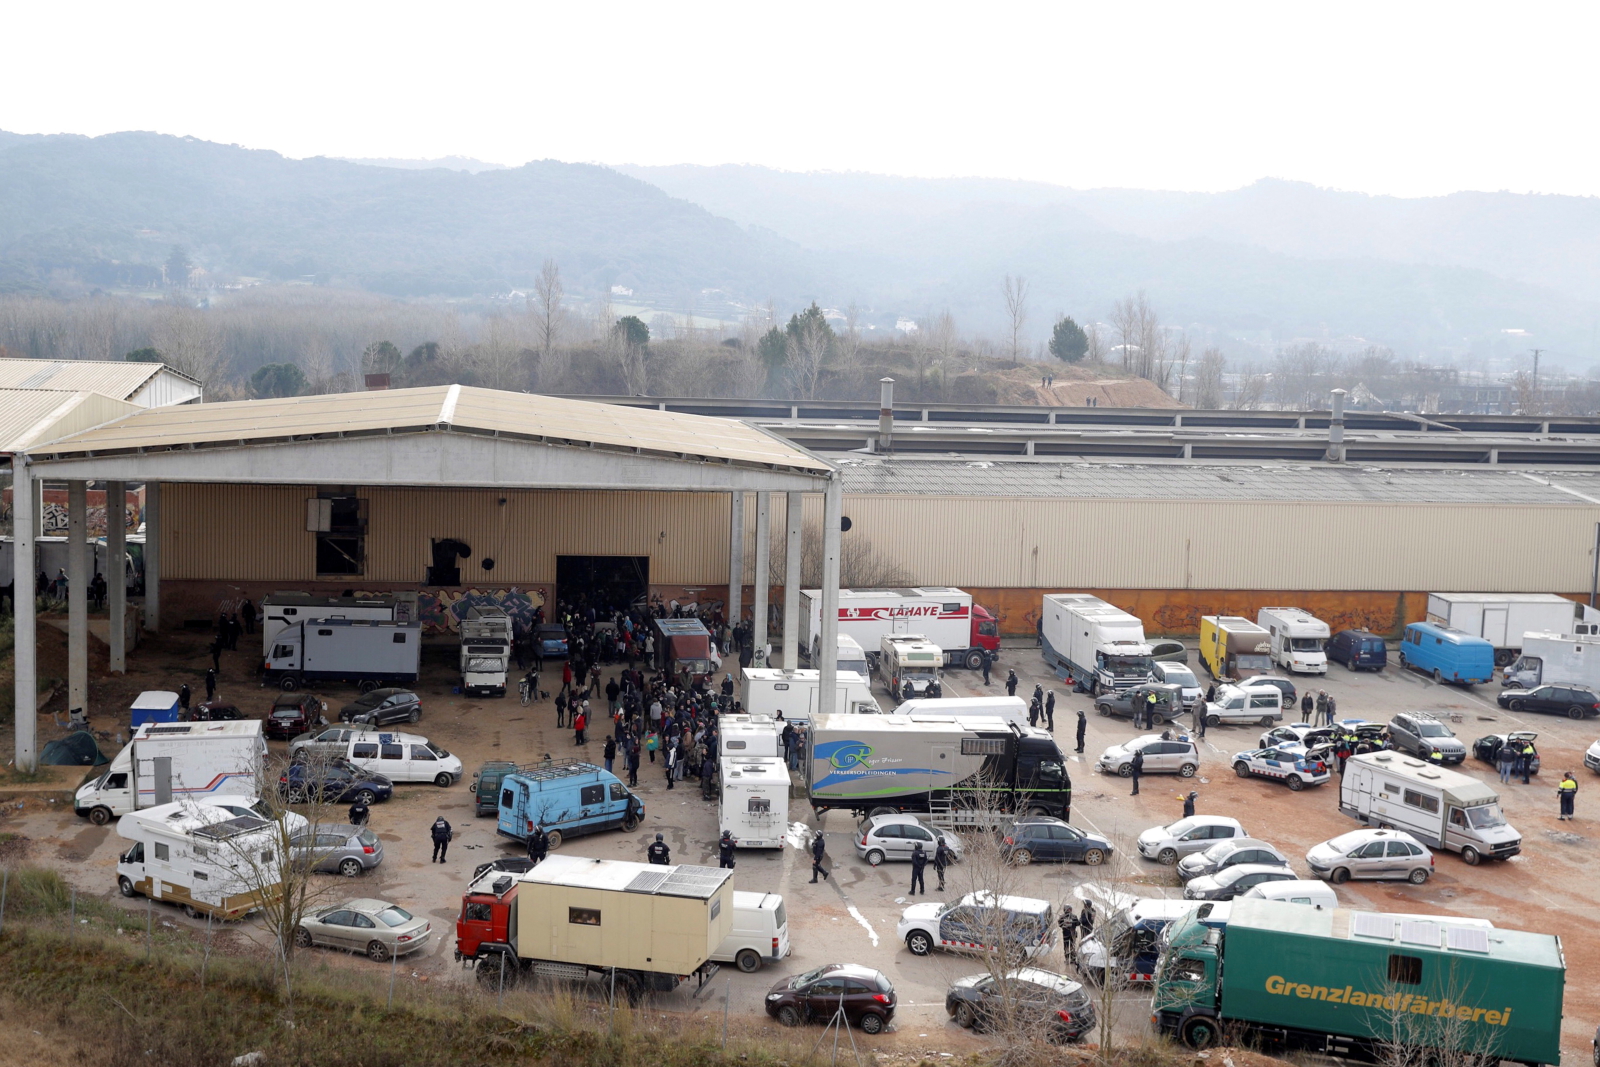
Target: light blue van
(1449,655)
(568,798)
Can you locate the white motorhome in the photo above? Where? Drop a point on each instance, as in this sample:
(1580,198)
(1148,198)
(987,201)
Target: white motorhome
(909,661)
(370,654)
(947,617)
(1298,639)
(1100,646)
(1012,709)
(485,650)
(1441,808)
(754,805)
(285,608)
(202,857)
(748,735)
(198,759)
(760,932)
(1503,618)
(1555,659)
(768,690)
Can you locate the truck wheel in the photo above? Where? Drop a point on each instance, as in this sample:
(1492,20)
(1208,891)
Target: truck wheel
(442,780)
(1296,783)
(1187,770)
(1438,676)
(748,961)
(1340,876)
(1167,856)
(1094,687)
(289,683)
(1471,856)
(1125,771)
(1242,769)
(881,810)
(1575,712)
(125,884)
(1199,1032)
(789,1015)
(99,816)
(415,716)
(874,858)
(1213,720)
(1094,857)
(367,685)
(1516,705)
(553,838)
(630,822)
(350,868)
(871,1023)
(377,951)
(919,943)
(1418,876)
(974,660)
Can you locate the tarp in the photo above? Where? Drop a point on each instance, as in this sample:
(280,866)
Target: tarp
(74,750)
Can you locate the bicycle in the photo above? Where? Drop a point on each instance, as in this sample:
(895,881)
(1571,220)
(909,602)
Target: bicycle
(526,689)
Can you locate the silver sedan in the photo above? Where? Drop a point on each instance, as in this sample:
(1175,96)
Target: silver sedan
(373,927)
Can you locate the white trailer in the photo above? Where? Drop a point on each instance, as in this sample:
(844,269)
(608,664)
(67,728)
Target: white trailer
(370,654)
(1555,659)
(1299,639)
(754,805)
(284,608)
(947,617)
(1101,647)
(768,690)
(1503,618)
(485,650)
(197,759)
(1442,808)
(203,858)
(1012,709)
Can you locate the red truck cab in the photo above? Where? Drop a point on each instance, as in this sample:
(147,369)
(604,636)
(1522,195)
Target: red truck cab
(985,629)
(487,917)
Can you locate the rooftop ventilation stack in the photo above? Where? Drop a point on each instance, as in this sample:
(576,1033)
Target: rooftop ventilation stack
(885,414)
(1336,429)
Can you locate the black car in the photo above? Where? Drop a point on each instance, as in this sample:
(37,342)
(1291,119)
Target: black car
(1054,841)
(865,994)
(214,711)
(338,782)
(1281,684)
(1488,748)
(1566,700)
(1358,650)
(292,714)
(1169,701)
(1028,996)
(381,707)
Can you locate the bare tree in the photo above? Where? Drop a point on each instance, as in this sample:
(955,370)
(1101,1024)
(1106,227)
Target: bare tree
(189,340)
(809,349)
(861,564)
(547,313)
(1096,352)
(1208,379)
(1016,295)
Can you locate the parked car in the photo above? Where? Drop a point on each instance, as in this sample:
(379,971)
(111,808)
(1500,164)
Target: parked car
(1167,844)
(1488,748)
(1179,674)
(1568,700)
(327,741)
(1290,733)
(337,782)
(895,837)
(383,707)
(1169,651)
(1291,766)
(214,711)
(293,714)
(551,639)
(1358,650)
(1231,881)
(1425,737)
(1237,704)
(1591,758)
(1296,891)
(398,757)
(1371,854)
(1169,701)
(485,787)
(1028,997)
(1050,840)
(979,922)
(1282,685)
(340,848)
(374,927)
(1163,754)
(866,995)
(1229,854)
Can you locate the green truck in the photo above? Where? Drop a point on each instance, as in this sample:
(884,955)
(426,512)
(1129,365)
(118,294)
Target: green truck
(1362,985)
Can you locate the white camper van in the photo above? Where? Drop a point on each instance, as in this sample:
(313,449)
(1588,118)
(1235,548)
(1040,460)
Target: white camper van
(201,857)
(1299,639)
(754,805)
(909,661)
(1439,807)
(768,691)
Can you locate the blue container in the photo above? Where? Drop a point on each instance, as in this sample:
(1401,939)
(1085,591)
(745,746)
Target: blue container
(153,705)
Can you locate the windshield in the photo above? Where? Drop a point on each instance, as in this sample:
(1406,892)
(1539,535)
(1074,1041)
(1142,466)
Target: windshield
(394,915)
(1253,663)
(1306,644)
(1181,827)
(484,665)
(436,750)
(916,674)
(1432,729)
(286,713)
(1127,665)
(1485,817)
(810,976)
(1181,676)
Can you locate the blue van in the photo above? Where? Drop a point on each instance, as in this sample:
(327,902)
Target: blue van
(1449,655)
(568,798)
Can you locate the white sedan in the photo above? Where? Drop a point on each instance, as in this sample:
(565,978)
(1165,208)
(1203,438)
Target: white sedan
(1288,765)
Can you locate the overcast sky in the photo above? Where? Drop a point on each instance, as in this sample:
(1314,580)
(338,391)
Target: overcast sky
(1405,98)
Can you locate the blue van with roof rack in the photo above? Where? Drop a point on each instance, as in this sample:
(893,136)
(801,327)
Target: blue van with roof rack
(568,798)
(1448,654)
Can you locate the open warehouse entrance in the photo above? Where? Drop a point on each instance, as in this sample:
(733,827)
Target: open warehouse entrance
(613,581)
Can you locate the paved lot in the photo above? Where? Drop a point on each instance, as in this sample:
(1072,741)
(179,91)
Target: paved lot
(1548,888)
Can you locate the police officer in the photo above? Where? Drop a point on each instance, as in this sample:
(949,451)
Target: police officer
(988,662)
(1069,934)
(1136,768)
(1050,711)
(359,814)
(725,850)
(818,851)
(1525,762)
(1083,724)
(1035,709)
(1011,683)
(919,863)
(538,845)
(441,834)
(1568,792)
(1086,920)
(906,692)
(943,856)
(1188,804)
(658,852)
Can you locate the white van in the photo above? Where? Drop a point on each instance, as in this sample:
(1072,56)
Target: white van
(398,757)
(1296,891)
(1245,704)
(760,932)
(852,657)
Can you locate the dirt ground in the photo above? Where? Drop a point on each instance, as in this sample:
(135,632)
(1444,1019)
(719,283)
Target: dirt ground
(852,917)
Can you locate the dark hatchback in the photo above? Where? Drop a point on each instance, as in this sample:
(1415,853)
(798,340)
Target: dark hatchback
(337,783)
(866,995)
(1028,998)
(1283,685)
(1039,839)
(1566,700)
(383,707)
(1358,650)
(213,711)
(292,714)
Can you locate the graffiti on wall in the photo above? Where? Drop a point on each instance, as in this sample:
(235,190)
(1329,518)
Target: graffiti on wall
(441,610)
(53,520)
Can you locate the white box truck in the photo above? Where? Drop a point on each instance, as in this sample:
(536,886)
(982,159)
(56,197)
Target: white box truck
(1299,639)
(1555,659)
(769,690)
(370,654)
(199,759)
(1441,808)
(908,666)
(287,607)
(947,617)
(1502,618)
(1101,647)
(203,858)
(485,650)
(754,805)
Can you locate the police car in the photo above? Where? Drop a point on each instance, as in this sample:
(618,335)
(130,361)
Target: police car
(1286,764)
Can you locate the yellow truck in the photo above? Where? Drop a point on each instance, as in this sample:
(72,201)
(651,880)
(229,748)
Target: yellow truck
(1234,648)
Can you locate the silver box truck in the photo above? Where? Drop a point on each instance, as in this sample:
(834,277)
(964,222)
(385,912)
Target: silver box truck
(202,759)
(485,650)
(370,654)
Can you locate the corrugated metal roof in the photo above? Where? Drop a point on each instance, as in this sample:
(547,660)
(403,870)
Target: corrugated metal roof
(463,409)
(1331,483)
(29,416)
(119,380)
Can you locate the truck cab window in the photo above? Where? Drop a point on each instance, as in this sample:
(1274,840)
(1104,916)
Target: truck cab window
(1187,971)
(117,781)
(618,792)
(478,913)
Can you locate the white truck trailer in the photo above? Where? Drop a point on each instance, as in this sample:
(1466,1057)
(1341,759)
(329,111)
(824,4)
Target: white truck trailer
(203,858)
(197,759)
(964,631)
(286,607)
(1503,618)
(1299,639)
(485,650)
(769,690)
(1555,659)
(370,654)
(754,805)
(1101,647)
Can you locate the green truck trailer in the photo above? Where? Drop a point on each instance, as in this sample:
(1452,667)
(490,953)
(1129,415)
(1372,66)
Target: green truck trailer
(1362,985)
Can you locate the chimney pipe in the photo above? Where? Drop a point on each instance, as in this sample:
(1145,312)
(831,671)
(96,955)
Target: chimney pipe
(1336,429)
(886,414)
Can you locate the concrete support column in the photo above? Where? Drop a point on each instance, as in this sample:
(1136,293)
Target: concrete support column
(79,570)
(24,517)
(763,563)
(828,639)
(736,563)
(152,556)
(117,574)
(791,581)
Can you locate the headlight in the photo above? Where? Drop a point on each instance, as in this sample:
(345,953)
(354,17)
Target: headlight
(774,996)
